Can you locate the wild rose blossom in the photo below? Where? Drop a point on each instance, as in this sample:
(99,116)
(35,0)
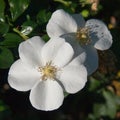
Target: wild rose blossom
(47,70)
(90,35)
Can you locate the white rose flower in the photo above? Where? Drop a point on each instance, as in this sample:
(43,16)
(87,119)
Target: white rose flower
(47,70)
(90,34)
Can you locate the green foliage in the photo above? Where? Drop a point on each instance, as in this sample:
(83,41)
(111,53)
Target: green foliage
(11,40)
(4,28)
(2,8)
(28,26)
(43,16)
(4,110)
(94,84)
(6,57)
(3,107)
(85,13)
(107,108)
(17,7)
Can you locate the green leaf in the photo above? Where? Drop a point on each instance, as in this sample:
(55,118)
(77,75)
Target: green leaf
(99,110)
(91,117)
(110,103)
(108,107)
(3,107)
(6,58)
(17,7)
(66,94)
(11,40)
(94,84)
(85,13)
(45,37)
(43,17)
(4,28)
(2,8)
(28,27)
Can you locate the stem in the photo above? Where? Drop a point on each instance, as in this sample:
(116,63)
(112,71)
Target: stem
(63,2)
(22,35)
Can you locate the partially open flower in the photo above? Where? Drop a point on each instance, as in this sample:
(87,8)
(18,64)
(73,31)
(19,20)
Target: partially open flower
(89,35)
(47,69)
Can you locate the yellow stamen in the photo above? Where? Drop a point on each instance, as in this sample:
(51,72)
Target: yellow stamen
(48,71)
(82,36)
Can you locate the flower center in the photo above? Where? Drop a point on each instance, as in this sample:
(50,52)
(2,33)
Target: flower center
(48,71)
(82,36)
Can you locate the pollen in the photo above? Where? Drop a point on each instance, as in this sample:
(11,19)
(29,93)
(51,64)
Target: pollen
(48,71)
(82,36)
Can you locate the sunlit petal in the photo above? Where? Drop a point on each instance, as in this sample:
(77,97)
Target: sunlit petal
(22,77)
(47,95)
(51,48)
(61,23)
(73,77)
(30,51)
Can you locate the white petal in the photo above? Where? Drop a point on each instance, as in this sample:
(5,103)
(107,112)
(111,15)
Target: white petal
(73,77)
(21,77)
(79,52)
(100,35)
(91,62)
(64,55)
(47,95)
(79,20)
(61,23)
(30,51)
(50,49)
